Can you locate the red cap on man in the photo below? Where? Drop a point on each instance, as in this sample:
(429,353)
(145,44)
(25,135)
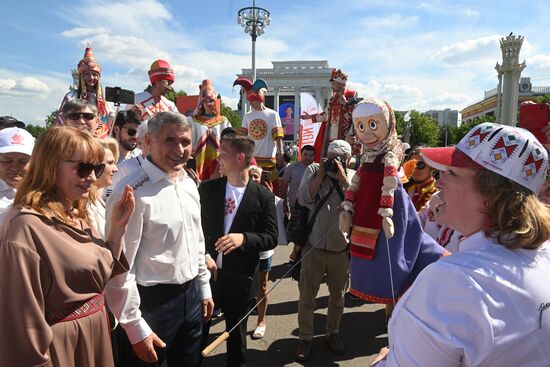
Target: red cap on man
(161,70)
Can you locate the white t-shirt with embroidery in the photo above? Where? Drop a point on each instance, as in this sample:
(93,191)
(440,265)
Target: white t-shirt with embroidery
(261,125)
(233,197)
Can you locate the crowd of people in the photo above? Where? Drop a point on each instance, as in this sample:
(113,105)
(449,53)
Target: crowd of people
(121,235)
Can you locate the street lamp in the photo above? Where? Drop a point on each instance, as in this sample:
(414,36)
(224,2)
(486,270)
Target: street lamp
(254,20)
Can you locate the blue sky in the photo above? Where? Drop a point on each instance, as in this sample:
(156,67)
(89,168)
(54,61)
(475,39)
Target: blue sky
(421,55)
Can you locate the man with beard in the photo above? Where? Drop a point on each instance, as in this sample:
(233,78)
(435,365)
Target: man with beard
(124,131)
(152,101)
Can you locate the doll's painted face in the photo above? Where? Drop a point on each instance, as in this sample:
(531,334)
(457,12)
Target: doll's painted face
(371,130)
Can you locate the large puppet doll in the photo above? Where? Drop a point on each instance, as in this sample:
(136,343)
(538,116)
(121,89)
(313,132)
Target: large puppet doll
(381,214)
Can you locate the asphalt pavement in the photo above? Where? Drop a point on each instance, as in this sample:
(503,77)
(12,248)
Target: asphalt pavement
(362,329)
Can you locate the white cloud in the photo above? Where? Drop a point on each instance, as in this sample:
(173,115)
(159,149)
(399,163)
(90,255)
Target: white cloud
(82,32)
(23,86)
(539,61)
(391,21)
(7,84)
(231,102)
(472,51)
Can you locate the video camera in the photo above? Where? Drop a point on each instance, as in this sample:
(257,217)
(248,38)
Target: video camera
(118,95)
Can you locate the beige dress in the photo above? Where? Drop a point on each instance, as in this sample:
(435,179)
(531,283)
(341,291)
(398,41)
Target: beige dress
(46,266)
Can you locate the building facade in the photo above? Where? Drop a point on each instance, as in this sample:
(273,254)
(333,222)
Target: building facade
(286,80)
(446,117)
(488,105)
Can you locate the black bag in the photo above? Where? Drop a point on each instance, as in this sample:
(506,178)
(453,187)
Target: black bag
(299,226)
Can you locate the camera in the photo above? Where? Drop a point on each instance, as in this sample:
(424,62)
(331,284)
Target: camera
(118,95)
(330,164)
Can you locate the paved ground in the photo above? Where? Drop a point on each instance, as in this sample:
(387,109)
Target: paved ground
(362,330)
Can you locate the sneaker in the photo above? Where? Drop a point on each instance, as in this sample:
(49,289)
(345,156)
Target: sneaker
(302,353)
(335,344)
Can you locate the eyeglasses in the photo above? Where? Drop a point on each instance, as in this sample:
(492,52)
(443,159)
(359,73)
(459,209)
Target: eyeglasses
(85,115)
(85,169)
(131,132)
(420,165)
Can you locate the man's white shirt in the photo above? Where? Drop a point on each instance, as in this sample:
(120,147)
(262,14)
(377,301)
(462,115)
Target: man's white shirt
(164,243)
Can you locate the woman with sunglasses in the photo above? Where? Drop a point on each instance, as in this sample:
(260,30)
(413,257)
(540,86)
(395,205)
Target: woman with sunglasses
(54,266)
(96,207)
(488,304)
(421,185)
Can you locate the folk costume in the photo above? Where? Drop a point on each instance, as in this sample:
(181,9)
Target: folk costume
(376,200)
(206,131)
(95,96)
(264,127)
(159,70)
(421,193)
(53,278)
(336,119)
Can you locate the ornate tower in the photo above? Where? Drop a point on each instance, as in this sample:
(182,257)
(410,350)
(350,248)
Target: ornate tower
(508,80)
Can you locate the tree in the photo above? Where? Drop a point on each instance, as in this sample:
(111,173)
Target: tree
(543,99)
(424,130)
(233,117)
(172,95)
(36,130)
(459,132)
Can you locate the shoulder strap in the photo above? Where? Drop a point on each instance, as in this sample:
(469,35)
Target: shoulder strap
(319,205)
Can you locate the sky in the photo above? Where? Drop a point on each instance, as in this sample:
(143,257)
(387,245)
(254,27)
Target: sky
(416,55)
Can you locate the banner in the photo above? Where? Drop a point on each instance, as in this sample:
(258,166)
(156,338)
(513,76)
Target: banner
(308,130)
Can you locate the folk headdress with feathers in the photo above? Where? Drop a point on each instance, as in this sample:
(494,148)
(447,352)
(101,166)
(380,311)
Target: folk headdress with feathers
(254,91)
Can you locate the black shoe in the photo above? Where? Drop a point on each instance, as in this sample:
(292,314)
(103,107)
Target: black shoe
(335,344)
(302,353)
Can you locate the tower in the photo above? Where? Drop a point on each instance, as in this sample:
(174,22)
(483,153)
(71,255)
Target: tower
(508,80)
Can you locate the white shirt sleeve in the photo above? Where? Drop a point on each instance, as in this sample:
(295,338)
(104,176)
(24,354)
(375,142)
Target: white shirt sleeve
(441,321)
(204,275)
(121,291)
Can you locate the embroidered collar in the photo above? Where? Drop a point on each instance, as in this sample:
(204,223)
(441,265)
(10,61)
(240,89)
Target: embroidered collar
(209,121)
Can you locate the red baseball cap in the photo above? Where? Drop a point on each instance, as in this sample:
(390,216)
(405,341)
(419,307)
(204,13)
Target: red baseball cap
(443,158)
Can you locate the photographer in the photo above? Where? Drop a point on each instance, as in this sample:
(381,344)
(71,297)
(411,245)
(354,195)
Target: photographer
(323,184)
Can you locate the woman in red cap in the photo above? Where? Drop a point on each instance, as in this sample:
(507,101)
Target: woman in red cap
(488,304)
(89,88)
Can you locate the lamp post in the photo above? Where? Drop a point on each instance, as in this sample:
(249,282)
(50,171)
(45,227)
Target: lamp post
(254,20)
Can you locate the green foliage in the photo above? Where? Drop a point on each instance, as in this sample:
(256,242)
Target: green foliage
(172,95)
(233,117)
(543,99)
(457,133)
(36,130)
(424,130)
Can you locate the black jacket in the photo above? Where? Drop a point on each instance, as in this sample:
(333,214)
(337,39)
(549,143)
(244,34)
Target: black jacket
(256,218)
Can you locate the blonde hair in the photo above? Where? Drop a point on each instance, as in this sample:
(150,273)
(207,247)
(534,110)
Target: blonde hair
(516,217)
(38,189)
(256,169)
(112,145)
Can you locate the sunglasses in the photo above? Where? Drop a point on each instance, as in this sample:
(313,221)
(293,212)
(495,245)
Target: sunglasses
(85,169)
(85,115)
(131,132)
(420,165)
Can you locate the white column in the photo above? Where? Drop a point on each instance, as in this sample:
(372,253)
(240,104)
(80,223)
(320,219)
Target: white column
(244,104)
(499,94)
(276,99)
(297,103)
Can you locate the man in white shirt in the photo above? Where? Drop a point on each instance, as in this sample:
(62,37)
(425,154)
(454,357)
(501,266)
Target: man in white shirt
(239,221)
(164,298)
(153,100)
(15,152)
